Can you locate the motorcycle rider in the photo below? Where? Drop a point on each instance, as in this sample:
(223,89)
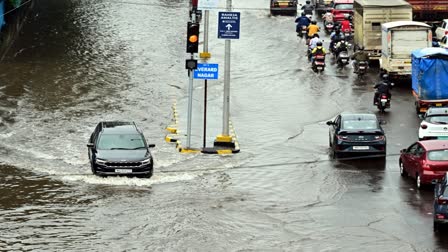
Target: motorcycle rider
(318,50)
(345,25)
(382,87)
(308,8)
(341,46)
(328,17)
(359,56)
(335,37)
(313,29)
(313,44)
(302,21)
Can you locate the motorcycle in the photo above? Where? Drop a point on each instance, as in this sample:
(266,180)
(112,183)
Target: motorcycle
(329,27)
(383,102)
(303,32)
(318,63)
(362,68)
(348,35)
(343,58)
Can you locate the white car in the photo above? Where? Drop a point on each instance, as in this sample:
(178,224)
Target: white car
(444,42)
(434,124)
(442,30)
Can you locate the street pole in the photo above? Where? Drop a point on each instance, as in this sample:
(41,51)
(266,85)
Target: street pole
(206,25)
(190,95)
(226,105)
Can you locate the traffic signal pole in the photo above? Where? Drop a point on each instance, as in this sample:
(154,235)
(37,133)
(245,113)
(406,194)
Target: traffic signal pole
(190,86)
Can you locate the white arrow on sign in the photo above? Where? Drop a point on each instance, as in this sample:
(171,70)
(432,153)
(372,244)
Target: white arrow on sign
(229,26)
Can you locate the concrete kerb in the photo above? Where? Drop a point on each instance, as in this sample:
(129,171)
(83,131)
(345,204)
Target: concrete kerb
(173,137)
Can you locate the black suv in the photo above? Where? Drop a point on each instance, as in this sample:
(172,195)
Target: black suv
(356,133)
(119,148)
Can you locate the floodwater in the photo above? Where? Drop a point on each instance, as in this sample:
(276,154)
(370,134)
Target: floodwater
(79,62)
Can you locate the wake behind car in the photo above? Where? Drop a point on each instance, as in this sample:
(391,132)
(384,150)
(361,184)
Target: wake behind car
(356,133)
(119,148)
(288,7)
(434,124)
(424,161)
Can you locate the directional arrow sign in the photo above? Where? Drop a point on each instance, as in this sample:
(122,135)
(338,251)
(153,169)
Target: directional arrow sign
(229,25)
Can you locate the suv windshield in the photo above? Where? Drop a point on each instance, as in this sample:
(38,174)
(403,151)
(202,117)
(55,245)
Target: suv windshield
(120,141)
(442,119)
(438,155)
(343,7)
(359,124)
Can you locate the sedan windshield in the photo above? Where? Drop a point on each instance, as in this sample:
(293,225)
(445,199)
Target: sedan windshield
(343,7)
(120,141)
(359,125)
(438,155)
(437,119)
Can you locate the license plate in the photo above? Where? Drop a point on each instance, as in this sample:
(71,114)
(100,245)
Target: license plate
(320,68)
(383,100)
(439,104)
(362,68)
(344,60)
(360,147)
(123,170)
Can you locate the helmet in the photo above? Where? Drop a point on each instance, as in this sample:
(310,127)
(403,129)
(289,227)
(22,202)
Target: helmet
(308,2)
(319,43)
(314,22)
(337,31)
(385,77)
(328,10)
(303,14)
(315,35)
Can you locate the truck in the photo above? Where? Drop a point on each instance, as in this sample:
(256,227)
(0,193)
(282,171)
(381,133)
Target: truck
(370,15)
(430,78)
(321,6)
(431,11)
(398,40)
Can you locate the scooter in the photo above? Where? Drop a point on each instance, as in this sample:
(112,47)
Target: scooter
(318,63)
(347,35)
(329,26)
(343,58)
(383,102)
(362,68)
(303,32)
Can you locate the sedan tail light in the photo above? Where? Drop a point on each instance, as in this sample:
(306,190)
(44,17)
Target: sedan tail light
(424,126)
(342,137)
(379,138)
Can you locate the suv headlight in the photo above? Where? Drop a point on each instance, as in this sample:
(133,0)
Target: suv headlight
(147,161)
(100,161)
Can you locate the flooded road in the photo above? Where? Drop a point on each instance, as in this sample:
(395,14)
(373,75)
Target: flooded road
(80,62)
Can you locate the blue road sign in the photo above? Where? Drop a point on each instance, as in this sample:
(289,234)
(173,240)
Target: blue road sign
(206,72)
(229,25)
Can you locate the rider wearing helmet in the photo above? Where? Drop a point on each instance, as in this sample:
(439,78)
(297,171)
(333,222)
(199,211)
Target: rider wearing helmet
(382,87)
(308,8)
(313,29)
(318,50)
(335,37)
(313,44)
(328,17)
(359,56)
(345,25)
(301,21)
(341,46)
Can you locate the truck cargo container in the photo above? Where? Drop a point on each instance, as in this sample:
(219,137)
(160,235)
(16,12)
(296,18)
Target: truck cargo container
(429,10)
(430,78)
(368,18)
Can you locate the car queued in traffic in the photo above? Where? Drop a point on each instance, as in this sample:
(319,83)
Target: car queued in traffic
(424,161)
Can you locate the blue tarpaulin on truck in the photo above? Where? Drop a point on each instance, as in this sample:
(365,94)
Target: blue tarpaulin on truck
(430,73)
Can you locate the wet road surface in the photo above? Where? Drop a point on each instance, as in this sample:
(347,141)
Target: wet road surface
(80,62)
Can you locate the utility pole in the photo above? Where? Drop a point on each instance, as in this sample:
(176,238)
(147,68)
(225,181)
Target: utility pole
(205,55)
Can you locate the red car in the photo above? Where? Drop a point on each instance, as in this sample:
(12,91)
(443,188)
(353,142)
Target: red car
(341,9)
(425,161)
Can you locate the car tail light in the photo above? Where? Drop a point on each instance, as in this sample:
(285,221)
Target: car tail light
(342,137)
(442,201)
(379,138)
(424,126)
(440,216)
(446,32)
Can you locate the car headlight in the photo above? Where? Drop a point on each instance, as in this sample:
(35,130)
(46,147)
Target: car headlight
(100,161)
(147,161)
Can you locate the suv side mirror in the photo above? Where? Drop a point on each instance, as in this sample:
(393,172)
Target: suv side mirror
(330,123)
(151,145)
(402,150)
(421,116)
(90,145)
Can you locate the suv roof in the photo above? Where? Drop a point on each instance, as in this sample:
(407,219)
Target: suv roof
(437,111)
(359,116)
(113,127)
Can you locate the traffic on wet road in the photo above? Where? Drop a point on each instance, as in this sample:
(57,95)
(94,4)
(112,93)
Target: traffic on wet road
(345,152)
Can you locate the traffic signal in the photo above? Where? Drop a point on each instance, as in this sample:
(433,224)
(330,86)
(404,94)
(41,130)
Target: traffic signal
(192,37)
